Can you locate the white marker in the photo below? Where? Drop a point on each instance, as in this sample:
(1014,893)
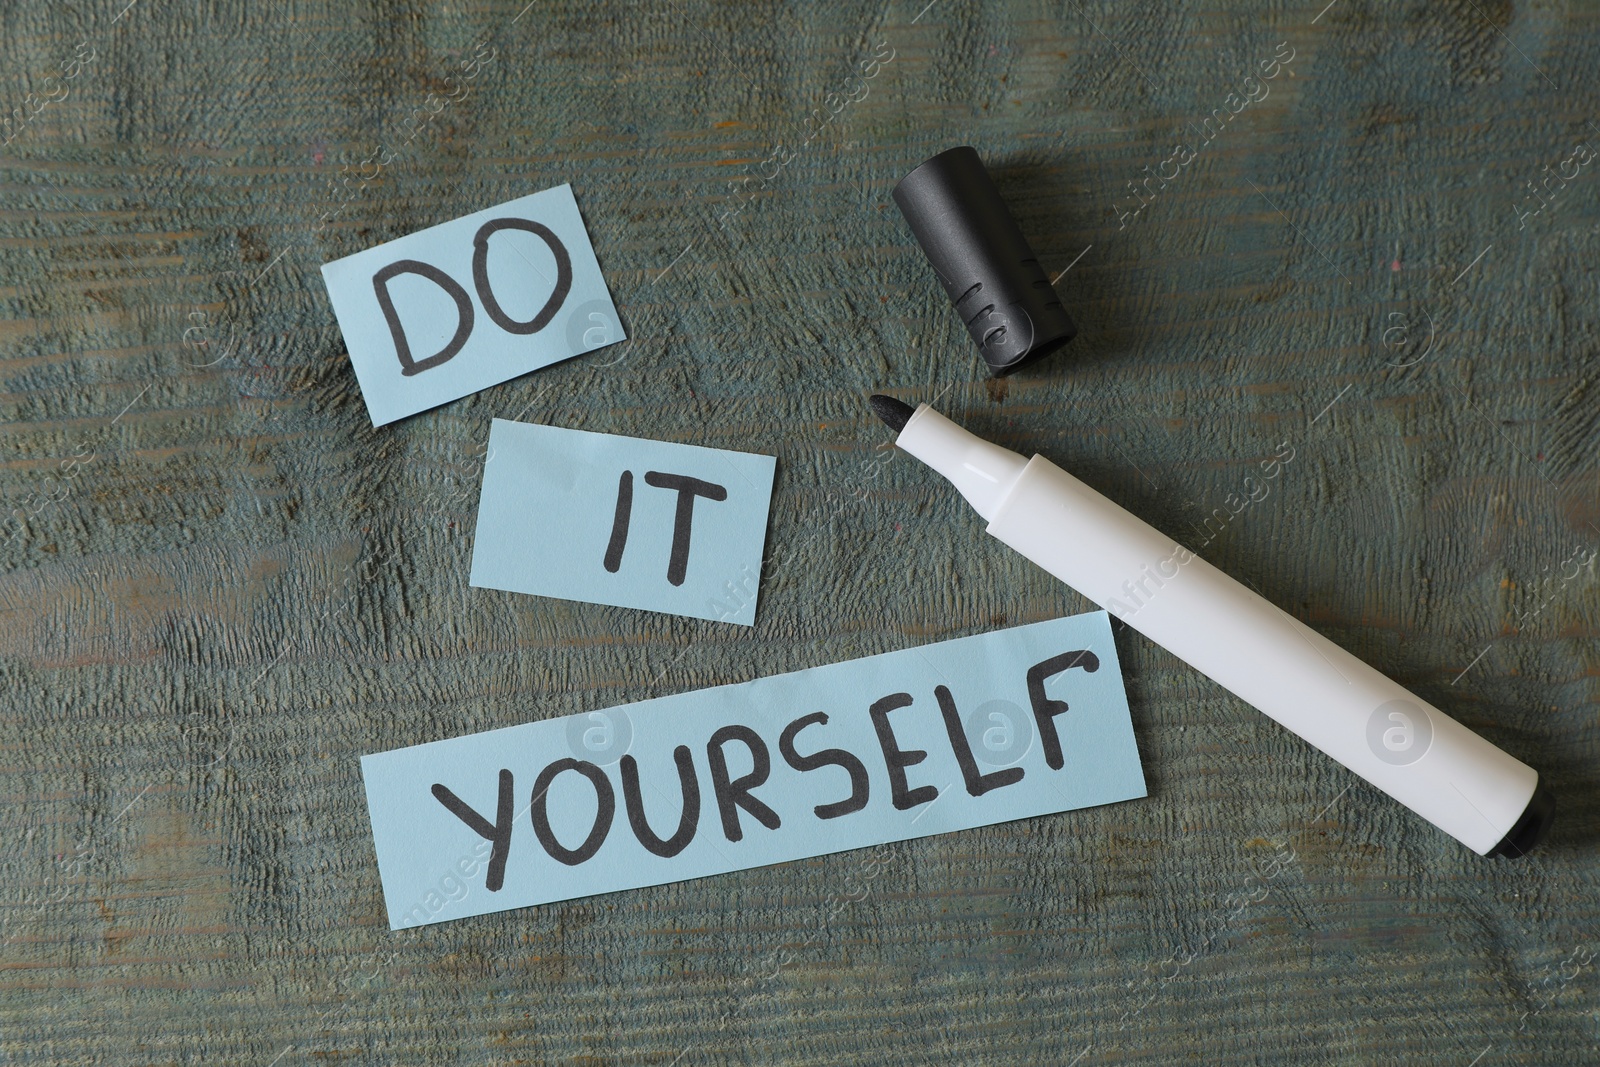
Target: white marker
(1484,798)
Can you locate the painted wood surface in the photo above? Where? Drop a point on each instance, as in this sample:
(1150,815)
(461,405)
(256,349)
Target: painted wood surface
(223,586)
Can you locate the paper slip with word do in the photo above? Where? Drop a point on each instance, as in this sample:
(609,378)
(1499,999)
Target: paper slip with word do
(444,312)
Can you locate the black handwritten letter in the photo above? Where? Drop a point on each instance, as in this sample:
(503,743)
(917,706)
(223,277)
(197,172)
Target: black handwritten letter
(619,522)
(402,347)
(735,794)
(1045,710)
(688,488)
(977,784)
(480,274)
(828,757)
(898,759)
(687,822)
(606,807)
(498,832)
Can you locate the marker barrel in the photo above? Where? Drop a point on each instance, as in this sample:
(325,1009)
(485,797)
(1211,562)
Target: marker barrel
(1417,754)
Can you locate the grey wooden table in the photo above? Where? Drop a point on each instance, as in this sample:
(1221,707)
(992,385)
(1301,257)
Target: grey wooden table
(220,586)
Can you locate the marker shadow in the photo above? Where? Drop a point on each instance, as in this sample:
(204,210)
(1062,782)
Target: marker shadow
(1058,224)
(1575,830)
(1139,704)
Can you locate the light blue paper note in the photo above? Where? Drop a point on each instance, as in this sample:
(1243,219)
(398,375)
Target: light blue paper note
(985,729)
(623,521)
(470,303)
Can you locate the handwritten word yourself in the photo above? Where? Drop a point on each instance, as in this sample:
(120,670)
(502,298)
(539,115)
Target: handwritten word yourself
(733,797)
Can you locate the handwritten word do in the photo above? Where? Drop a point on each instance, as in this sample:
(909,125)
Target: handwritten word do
(466,314)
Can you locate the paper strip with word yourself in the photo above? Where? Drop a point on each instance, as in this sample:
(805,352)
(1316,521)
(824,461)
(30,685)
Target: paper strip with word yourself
(622,520)
(447,311)
(980,730)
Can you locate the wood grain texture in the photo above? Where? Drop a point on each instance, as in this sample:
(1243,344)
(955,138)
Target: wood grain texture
(240,587)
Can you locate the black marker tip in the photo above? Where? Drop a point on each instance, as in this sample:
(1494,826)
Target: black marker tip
(894,413)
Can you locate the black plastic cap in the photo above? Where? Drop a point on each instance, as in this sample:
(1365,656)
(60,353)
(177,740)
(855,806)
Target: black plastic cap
(988,270)
(1531,827)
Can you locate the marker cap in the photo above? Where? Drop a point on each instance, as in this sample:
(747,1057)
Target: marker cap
(989,272)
